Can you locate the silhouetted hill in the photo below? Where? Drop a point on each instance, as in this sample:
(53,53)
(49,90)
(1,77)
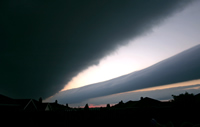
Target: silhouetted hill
(181,67)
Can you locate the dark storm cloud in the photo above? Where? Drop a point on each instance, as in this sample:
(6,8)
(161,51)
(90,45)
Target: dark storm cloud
(45,43)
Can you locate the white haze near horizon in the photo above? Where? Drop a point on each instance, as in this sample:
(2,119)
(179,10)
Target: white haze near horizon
(165,93)
(174,35)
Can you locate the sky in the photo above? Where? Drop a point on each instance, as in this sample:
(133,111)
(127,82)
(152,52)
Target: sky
(48,46)
(165,75)
(165,93)
(174,35)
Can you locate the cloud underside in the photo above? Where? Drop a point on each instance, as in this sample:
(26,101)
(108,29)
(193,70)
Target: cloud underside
(45,44)
(184,66)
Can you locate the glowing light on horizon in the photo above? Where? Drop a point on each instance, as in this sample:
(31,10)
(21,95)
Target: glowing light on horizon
(128,95)
(180,84)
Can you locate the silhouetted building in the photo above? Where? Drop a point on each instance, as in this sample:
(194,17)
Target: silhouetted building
(56,101)
(31,105)
(8,104)
(144,102)
(148,102)
(45,107)
(27,104)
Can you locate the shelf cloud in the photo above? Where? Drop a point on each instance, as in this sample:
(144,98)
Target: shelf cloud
(46,43)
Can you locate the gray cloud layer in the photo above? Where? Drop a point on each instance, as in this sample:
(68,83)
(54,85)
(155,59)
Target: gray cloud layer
(159,94)
(45,43)
(184,66)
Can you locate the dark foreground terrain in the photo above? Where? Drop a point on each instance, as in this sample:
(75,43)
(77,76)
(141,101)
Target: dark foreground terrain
(103,117)
(182,111)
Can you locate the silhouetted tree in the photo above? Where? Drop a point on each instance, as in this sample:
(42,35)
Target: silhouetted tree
(108,106)
(121,102)
(183,99)
(40,100)
(86,107)
(56,101)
